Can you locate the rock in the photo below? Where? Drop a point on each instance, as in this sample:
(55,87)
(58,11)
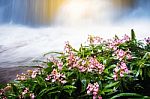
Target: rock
(9,74)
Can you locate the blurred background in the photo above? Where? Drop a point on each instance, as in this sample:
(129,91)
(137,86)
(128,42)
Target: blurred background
(30,28)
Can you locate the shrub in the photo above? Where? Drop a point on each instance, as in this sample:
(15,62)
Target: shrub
(102,68)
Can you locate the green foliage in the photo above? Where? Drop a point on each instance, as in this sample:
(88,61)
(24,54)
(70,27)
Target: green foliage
(104,68)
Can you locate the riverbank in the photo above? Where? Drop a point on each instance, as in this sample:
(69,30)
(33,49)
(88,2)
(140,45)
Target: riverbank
(9,74)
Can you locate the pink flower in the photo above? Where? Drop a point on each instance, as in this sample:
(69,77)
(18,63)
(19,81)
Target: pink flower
(63,81)
(94,65)
(126,38)
(116,42)
(126,71)
(116,69)
(67,47)
(1,91)
(129,56)
(115,76)
(121,69)
(60,65)
(25,91)
(88,91)
(112,46)
(83,62)
(123,65)
(55,76)
(94,39)
(48,77)
(54,72)
(121,74)
(99,97)
(32,96)
(93,89)
(21,77)
(94,97)
(120,54)
(82,69)
(71,59)
(34,74)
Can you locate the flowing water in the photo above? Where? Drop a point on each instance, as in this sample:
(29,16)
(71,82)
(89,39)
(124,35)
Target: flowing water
(30,28)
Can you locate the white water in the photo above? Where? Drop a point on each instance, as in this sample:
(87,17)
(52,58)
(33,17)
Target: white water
(19,45)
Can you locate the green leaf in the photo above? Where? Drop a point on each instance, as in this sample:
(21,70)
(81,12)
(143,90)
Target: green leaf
(69,87)
(147,65)
(46,90)
(112,66)
(133,35)
(53,52)
(108,90)
(41,81)
(111,85)
(48,69)
(50,64)
(15,89)
(138,72)
(53,92)
(127,95)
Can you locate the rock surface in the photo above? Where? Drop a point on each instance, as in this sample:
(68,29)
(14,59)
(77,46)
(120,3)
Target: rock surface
(9,74)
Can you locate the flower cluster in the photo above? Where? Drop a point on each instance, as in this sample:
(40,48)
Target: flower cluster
(94,39)
(27,92)
(89,64)
(56,62)
(55,76)
(60,65)
(67,47)
(81,64)
(93,89)
(94,65)
(72,60)
(29,74)
(120,70)
(33,73)
(121,54)
(21,77)
(113,44)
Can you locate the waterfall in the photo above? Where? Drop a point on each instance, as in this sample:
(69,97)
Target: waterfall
(46,12)
(29,12)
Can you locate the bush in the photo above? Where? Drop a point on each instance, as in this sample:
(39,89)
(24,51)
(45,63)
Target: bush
(101,69)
